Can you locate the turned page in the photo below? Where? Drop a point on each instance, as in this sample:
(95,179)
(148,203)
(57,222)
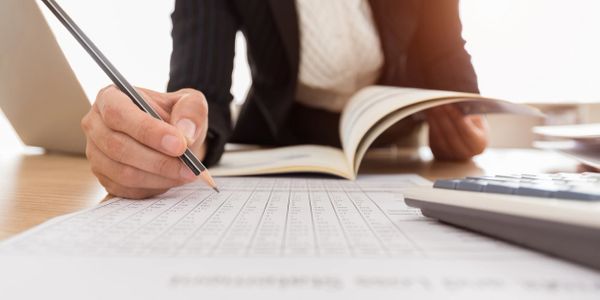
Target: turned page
(373,104)
(375,109)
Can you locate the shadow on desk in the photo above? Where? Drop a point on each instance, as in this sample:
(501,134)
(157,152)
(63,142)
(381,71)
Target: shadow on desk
(418,161)
(493,161)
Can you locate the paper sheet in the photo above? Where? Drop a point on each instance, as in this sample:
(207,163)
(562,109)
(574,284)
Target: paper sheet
(276,237)
(578,132)
(586,152)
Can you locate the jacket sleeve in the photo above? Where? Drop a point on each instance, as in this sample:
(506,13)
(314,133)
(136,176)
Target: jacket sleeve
(203,52)
(445,61)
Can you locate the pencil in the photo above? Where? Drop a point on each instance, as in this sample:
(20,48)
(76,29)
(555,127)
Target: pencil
(188,158)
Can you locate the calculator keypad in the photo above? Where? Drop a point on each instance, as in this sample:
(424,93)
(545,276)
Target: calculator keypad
(584,186)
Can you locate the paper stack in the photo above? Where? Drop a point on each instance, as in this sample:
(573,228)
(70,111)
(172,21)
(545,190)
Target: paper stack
(581,142)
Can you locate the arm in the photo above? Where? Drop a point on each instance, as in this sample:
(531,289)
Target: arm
(445,61)
(447,66)
(203,51)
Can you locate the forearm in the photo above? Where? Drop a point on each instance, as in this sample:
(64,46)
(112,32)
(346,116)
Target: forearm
(203,51)
(446,63)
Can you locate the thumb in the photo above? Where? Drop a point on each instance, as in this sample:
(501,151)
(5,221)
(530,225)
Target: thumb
(189,115)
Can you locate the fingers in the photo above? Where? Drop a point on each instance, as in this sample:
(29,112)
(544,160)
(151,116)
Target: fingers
(120,191)
(472,129)
(480,122)
(157,102)
(135,155)
(456,148)
(163,101)
(120,114)
(455,136)
(126,176)
(125,150)
(437,139)
(190,115)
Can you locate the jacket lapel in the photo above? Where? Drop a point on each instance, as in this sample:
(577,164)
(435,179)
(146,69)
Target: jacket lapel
(276,108)
(286,18)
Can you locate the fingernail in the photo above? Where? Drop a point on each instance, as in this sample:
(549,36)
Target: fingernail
(171,144)
(187,174)
(188,128)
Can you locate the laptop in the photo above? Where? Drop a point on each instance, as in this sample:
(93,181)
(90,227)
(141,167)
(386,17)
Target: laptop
(39,93)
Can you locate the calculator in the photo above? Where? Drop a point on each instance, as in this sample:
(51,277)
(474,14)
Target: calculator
(558,214)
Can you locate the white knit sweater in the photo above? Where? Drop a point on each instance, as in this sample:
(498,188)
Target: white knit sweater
(340,51)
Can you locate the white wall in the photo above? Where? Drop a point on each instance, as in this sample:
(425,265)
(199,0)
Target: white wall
(533,50)
(136,36)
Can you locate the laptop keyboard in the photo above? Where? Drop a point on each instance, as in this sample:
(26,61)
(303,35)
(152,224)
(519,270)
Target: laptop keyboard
(570,186)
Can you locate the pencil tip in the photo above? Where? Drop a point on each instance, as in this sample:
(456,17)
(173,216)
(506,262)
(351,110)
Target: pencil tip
(211,182)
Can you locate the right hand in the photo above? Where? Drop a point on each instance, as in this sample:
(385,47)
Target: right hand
(135,155)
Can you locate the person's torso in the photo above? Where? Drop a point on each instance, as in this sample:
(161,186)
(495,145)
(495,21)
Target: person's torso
(272,29)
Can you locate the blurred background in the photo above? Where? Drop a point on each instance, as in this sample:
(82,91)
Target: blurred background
(544,52)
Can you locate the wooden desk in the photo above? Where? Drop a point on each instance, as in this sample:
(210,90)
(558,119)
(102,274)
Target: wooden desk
(35,188)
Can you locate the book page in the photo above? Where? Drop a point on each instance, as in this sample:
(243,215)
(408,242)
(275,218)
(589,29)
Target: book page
(466,106)
(382,107)
(292,159)
(384,124)
(277,238)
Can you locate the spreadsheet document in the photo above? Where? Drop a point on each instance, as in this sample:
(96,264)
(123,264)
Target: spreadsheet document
(270,236)
(260,216)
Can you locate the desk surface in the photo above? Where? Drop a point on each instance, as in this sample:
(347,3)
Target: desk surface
(35,187)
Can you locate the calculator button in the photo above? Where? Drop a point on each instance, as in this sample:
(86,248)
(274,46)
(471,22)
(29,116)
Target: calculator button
(501,187)
(504,177)
(446,184)
(579,194)
(536,190)
(471,185)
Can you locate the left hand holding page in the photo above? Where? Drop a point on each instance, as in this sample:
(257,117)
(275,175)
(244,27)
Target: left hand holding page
(135,155)
(455,136)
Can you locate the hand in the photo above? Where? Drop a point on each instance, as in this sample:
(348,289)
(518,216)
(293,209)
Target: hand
(454,136)
(136,156)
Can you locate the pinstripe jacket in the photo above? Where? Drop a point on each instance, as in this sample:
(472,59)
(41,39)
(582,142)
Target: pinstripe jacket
(421,41)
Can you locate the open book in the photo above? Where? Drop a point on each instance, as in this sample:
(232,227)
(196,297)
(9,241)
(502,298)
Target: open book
(369,113)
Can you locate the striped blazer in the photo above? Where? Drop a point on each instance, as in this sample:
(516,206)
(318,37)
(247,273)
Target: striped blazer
(421,41)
